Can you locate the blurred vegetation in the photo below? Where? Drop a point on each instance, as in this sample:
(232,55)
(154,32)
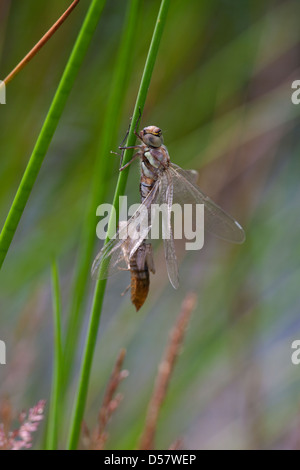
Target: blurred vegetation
(221,92)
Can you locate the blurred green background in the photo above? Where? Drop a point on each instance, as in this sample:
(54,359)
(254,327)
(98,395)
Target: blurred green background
(221,93)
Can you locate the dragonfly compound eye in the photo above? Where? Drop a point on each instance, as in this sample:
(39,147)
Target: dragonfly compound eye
(153,140)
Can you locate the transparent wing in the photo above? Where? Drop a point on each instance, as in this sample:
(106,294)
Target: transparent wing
(149,258)
(190,175)
(217,221)
(165,196)
(114,256)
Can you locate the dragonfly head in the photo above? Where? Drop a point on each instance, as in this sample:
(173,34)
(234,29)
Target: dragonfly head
(152,136)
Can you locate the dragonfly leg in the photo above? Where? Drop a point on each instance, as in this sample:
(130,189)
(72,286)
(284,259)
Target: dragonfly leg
(121,144)
(138,136)
(135,132)
(135,128)
(126,135)
(126,290)
(125,148)
(137,124)
(130,161)
(121,147)
(131,147)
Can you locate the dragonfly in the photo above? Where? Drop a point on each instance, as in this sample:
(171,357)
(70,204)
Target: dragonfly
(161,182)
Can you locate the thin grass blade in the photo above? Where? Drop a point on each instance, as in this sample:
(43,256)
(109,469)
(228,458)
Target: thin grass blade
(54,412)
(80,399)
(49,126)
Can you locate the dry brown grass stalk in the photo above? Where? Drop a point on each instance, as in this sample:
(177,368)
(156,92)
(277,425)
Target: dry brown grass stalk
(40,43)
(111,401)
(165,370)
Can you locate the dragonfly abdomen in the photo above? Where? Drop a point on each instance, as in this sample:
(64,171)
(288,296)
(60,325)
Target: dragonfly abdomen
(140,265)
(139,284)
(146,186)
(139,290)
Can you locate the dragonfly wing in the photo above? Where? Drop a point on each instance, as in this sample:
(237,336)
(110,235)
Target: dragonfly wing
(166,197)
(149,258)
(217,221)
(114,256)
(190,175)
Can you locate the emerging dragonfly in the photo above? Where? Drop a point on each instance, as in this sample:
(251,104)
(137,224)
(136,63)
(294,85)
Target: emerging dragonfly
(162,182)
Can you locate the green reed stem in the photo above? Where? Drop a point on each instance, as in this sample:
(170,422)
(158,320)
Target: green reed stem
(49,126)
(101,177)
(53,419)
(80,399)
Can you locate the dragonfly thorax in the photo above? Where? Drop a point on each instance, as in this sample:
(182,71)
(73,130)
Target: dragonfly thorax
(154,161)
